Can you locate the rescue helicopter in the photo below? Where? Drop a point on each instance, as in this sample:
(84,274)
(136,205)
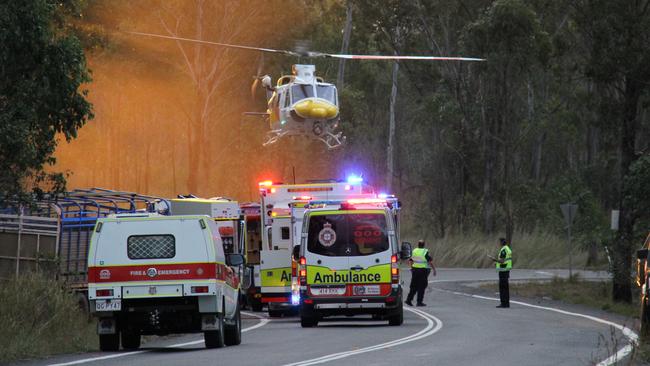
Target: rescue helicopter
(303,104)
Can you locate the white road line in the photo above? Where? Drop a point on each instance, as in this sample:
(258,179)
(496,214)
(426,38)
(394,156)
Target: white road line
(427,331)
(545,273)
(263,322)
(613,359)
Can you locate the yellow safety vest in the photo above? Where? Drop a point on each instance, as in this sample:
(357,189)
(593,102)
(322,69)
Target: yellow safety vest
(419,258)
(507,263)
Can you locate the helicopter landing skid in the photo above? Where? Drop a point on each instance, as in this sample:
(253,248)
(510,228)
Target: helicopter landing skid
(332,141)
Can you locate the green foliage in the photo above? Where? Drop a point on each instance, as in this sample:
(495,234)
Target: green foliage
(42,73)
(637,184)
(40,317)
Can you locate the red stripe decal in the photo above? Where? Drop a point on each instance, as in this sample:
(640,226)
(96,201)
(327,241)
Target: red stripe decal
(157,272)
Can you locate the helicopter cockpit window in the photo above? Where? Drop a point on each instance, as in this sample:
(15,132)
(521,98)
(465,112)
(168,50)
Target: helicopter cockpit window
(301,91)
(327,92)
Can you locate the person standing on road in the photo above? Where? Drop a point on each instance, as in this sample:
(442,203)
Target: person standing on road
(421,263)
(503,263)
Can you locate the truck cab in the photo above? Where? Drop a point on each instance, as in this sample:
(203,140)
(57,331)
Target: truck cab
(349,261)
(157,275)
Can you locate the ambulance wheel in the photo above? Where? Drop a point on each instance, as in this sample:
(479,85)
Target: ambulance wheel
(308,321)
(215,338)
(397,318)
(233,332)
(131,340)
(275,313)
(257,306)
(109,342)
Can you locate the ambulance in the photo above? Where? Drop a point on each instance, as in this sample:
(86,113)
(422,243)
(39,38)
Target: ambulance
(282,222)
(226,214)
(253,245)
(150,274)
(349,260)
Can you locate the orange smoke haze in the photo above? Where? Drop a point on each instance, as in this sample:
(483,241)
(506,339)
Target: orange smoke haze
(168,116)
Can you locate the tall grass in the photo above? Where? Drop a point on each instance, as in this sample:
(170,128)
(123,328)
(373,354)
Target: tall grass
(529,250)
(39,317)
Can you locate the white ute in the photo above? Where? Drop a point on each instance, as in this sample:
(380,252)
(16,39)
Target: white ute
(155,275)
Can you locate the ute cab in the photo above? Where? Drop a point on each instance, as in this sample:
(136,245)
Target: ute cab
(349,261)
(155,275)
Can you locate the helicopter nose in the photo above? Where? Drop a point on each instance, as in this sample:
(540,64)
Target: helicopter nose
(316,109)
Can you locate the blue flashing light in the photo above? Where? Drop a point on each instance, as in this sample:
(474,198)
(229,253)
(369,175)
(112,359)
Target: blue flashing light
(295,299)
(354,179)
(382,195)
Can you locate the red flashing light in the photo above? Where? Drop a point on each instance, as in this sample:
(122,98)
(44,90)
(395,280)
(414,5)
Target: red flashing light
(303,261)
(308,301)
(301,198)
(266,183)
(355,201)
(226,231)
(393,258)
(199,289)
(104,292)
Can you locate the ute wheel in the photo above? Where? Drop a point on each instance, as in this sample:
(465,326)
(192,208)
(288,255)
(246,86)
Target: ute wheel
(233,332)
(308,321)
(109,342)
(215,338)
(131,340)
(275,313)
(398,318)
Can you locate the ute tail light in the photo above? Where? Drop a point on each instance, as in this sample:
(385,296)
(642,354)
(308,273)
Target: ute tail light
(104,292)
(199,289)
(394,269)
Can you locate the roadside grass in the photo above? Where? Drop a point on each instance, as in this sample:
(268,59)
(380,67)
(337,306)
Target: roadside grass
(594,294)
(530,250)
(39,317)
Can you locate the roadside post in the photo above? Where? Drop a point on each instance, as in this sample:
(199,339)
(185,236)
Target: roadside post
(569,211)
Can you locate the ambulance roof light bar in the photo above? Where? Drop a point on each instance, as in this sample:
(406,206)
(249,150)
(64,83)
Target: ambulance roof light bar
(265,183)
(354,179)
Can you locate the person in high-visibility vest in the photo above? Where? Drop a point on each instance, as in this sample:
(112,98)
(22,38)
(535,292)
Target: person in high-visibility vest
(503,263)
(421,264)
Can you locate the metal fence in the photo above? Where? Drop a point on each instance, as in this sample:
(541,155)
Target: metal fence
(55,233)
(27,243)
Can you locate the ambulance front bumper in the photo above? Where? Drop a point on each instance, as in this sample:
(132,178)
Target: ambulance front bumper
(352,305)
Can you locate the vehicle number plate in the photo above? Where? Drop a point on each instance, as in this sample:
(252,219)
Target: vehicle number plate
(108,305)
(328,291)
(366,290)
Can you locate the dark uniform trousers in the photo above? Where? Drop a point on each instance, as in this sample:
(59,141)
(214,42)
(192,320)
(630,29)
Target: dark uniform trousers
(419,283)
(504,288)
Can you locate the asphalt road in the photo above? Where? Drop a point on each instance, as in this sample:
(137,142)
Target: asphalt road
(460,326)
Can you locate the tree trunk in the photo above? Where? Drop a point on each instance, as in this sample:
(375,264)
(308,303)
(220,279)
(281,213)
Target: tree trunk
(347,31)
(391,130)
(622,287)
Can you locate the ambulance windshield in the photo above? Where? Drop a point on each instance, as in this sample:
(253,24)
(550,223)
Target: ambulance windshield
(347,234)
